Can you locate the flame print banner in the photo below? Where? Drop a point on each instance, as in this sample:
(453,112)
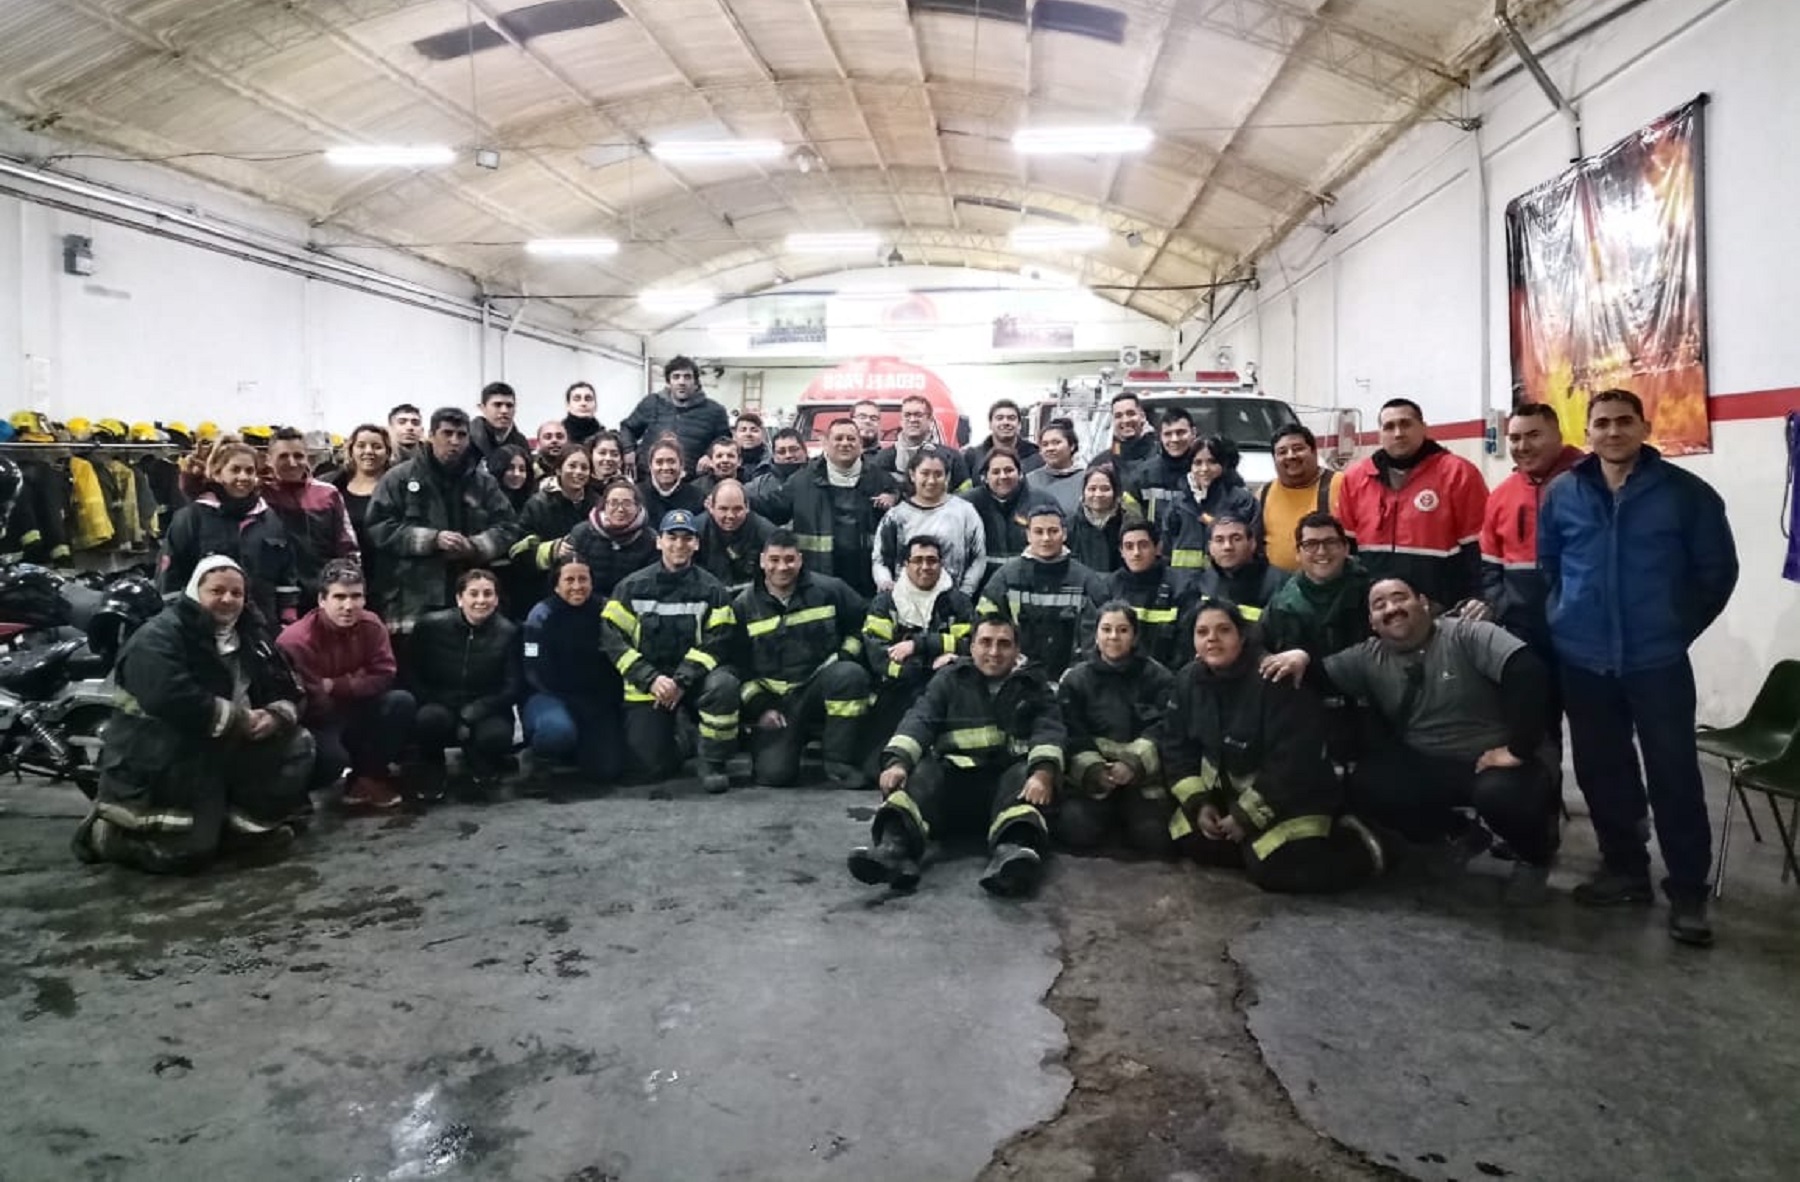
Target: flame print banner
(1605,269)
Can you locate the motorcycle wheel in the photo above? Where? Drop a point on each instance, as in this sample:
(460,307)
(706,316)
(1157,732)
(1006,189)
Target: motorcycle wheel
(82,732)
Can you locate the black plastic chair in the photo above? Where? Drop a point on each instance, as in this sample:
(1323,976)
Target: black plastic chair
(1779,779)
(1763,735)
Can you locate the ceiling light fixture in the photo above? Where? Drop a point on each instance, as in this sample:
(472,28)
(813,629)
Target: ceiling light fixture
(1059,237)
(841,242)
(713,151)
(676,299)
(572,247)
(378,155)
(1081,141)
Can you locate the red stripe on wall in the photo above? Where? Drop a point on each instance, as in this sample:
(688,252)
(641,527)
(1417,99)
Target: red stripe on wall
(1755,404)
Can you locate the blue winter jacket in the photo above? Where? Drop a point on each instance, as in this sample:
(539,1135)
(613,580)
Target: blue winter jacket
(1633,579)
(562,650)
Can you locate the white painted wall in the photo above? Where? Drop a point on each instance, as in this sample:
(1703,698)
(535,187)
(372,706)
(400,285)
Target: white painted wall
(1407,296)
(166,330)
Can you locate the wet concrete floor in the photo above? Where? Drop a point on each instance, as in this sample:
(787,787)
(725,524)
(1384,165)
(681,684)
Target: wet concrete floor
(627,988)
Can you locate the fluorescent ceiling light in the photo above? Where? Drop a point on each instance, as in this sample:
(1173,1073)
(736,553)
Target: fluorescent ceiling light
(572,247)
(702,151)
(1081,141)
(1059,237)
(375,155)
(846,242)
(676,299)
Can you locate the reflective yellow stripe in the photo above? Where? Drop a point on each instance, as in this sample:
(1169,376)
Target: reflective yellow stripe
(879,626)
(637,695)
(907,746)
(974,738)
(31,537)
(523,544)
(901,802)
(853,646)
(1188,787)
(809,615)
(960,762)
(1292,829)
(704,660)
(721,617)
(893,669)
(758,627)
(627,659)
(774,685)
(849,708)
(718,726)
(1018,812)
(816,543)
(621,617)
(1250,613)
(987,607)
(1187,560)
(1083,763)
(1142,750)
(546,554)
(1156,615)
(1045,753)
(1254,807)
(1179,825)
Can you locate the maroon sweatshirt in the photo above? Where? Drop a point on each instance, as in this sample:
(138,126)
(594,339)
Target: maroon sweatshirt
(358,662)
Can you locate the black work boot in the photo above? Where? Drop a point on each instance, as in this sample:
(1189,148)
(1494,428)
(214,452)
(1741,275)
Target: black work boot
(1610,888)
(714,779)
(889,861)
(1013,871)
(1687,921)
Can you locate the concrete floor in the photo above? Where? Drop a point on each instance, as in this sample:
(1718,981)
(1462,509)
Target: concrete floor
(694,988)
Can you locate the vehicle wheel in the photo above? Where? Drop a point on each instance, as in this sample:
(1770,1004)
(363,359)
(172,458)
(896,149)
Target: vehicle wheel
(82,732)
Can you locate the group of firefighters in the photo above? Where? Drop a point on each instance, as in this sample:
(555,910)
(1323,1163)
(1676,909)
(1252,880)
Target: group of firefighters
(1301,680)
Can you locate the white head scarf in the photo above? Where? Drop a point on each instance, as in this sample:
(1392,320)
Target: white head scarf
(225,637)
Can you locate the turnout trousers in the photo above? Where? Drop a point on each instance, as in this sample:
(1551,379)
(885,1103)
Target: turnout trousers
(832,705)
(653,746)
(1139,813)
(942,801)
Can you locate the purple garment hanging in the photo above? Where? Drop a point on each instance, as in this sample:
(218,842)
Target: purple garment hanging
(1791,570)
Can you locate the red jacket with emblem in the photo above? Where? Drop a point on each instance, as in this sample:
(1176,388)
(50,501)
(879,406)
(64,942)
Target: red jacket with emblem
(1426,531)
(358,662)
(1510,580)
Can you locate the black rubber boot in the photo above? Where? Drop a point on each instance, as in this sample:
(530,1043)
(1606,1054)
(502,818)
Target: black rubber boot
(889,862)
(1688,923)
(1013,871)
(1609,888)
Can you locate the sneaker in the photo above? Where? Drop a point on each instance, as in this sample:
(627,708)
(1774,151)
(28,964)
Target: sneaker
(1609,888)
(889,863)
(1526,886)
(715,782)
(1688,923)
(428,782)
(371,794)
(1013,871)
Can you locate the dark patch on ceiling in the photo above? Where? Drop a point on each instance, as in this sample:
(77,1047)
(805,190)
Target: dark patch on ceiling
(535,20)
(1057,16)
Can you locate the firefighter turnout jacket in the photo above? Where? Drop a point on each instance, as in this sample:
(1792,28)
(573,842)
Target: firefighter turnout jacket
(666,623)
(779,646)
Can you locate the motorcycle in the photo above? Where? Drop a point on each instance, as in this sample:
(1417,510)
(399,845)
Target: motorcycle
(59,637)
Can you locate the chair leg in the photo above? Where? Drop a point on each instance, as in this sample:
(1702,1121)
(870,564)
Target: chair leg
(1787,837)
(1724,843)
(1749,813)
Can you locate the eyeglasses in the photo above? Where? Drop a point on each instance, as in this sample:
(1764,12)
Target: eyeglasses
(922,560)
(1315,545)
(612,503)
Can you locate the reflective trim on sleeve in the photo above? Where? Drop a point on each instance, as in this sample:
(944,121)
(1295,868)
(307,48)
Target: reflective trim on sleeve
(847,708)
(1292,829)
(901,802)
(1021,813)
(908,746)
(814,543)
(703,659)
(879,627)
(1254,807)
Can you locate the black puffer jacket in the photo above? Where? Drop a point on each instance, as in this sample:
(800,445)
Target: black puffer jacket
(610,558)
(1251,586)
(1249,746)
(1110,712)
(255,540)
(474,669)
(414,502)
(1054,602)
(696,423)
(733,559)
(1002,521)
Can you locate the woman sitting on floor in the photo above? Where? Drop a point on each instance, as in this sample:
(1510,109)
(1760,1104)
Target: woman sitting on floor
(464,670)
(205,751)
(1245,759)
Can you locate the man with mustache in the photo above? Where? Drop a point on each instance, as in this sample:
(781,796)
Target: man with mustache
(1462,701)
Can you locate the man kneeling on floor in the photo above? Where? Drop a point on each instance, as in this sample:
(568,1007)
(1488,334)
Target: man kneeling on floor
(666,630)
(360,721)
(800,660)
(1463,707)
(205,751)
(981,751)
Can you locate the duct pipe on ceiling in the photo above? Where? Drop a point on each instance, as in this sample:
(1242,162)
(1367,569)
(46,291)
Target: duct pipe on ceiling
(1551,91)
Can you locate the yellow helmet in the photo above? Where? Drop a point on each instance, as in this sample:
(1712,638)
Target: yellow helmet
(80,429)
(145,433)
(111,431)
(178,433)
(207,430)
(337,442)
(258,436)
(31,427)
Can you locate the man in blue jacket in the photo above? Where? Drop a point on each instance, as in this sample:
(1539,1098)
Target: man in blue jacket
(1639,559)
